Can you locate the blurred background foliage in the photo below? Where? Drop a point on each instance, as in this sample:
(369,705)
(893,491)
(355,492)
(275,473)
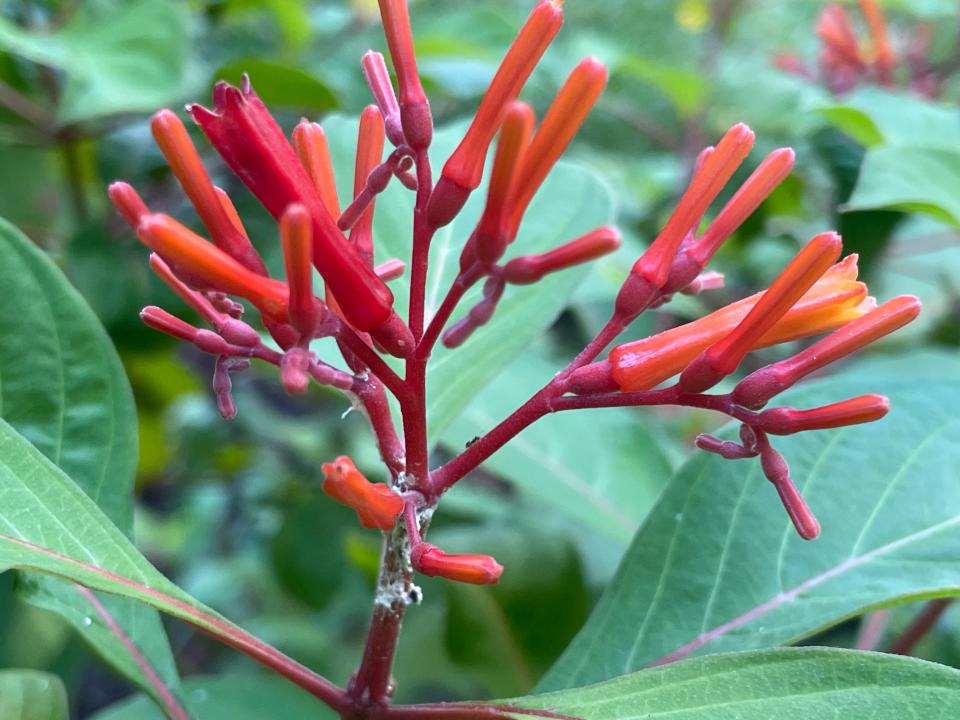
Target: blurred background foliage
(232,510)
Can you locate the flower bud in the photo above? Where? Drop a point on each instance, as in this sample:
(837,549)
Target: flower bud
(474,569)
(414,108)
(375,504)
(528,269)
(381,87)
(854,411)
(128,203)
(297,242)
(312,149)
(295,370)
(778,473)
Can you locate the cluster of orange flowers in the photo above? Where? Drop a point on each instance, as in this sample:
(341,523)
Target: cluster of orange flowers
(817,292)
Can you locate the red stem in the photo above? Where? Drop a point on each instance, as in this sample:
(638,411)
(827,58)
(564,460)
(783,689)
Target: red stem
(168,702)
(921,625)
(368,357)
(422,235)
(463,282)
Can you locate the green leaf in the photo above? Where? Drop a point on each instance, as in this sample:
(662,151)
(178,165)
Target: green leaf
(280,85)
(785,683)
(872,116)
(912,179)
(572,201)
(230,698)
(686,88)
(63,388)
(118,57)
(49,526)
(602,469)
(32,695)
(718,567)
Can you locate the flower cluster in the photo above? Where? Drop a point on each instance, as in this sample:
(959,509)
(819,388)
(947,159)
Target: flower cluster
(816,293)
(845,62)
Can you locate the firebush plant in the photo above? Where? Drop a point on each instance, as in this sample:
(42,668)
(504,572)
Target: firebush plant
(379,358)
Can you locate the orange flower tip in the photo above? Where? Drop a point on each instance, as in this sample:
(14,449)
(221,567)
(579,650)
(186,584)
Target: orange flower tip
(473,569)
(857,410)
(446,202)
(592,379)
(528,269)
(394,336)
(634,297)
(128,203)
(390,269)
(375,504)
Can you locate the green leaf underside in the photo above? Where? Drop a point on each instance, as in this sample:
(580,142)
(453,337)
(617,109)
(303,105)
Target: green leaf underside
(51,527)
(571,202)
(62,386)
(718,567)
(784,683)
(230,698)
(32,695)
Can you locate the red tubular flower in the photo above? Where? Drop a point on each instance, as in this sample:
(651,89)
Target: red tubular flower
(463,171)
(378,79)
(883,57)
(654,265)
(836,32)
(370,143)
(835,299)
(313,150)
(778,473)
(861,409)
(198,260)
(722,358)
(376,505)
(252,144)
(128,203)
(390,269)
(564,117)
(474,569)
(297,241)
(175,144)
(414,108)
(758,387)
(490,241)
(770,173)
(528,269)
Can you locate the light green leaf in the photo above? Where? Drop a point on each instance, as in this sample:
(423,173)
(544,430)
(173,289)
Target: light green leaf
(572,201)
(121,57)
(49,526)
(686,88)
(62,386)
(603,469)
(280,85)
(230,698)
(718,567)
(785,683)
(872,116)
(912,179)
(32,695)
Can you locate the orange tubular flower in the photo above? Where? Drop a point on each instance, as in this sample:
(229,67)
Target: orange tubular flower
(861,409)
(313,150)
(128,203)
(414,108)
(370,142)
(722,358)
(718,167)
(296,237)
(836,32)
(490,242)
(464,169)
(883,58)
(203,263)
(175,144)
(758,387)
(528,269)
(474,569)
(376,505)
(835,299)
(564,117)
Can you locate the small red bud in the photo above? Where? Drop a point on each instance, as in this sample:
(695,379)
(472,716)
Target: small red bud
(473,569)
(295,369)
(528,269)
(861,409)
(381,87)
(128,203)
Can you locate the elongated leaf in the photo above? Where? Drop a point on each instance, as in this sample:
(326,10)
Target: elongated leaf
(32,695)
(280,85)
(784,683)
(230,698)
(718,567)
(121,57)
(571,201)
(48,525)
(62,386)
(912,179)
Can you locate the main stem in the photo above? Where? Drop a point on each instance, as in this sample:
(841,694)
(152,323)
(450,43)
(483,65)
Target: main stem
(370,686)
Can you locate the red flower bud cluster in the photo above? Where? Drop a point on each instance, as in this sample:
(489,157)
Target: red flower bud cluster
(845,62)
